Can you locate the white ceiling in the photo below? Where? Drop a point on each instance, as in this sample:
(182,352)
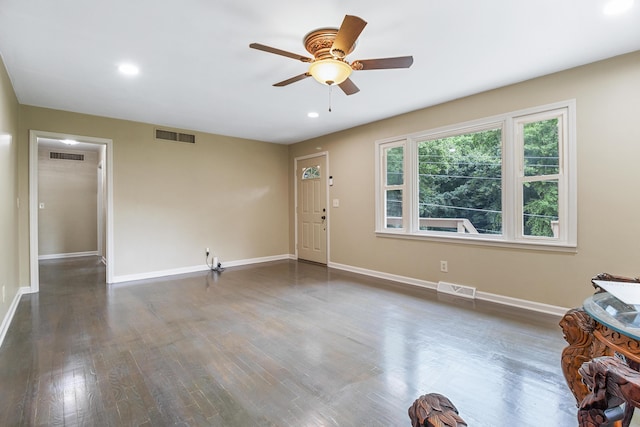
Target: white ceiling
(198,73)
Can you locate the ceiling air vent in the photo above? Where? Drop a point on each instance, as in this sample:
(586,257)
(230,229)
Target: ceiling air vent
(66,156)
(169,135)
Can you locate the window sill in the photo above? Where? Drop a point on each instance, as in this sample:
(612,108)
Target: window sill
(479,241)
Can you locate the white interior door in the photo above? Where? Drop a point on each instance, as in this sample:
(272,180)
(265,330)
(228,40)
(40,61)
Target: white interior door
(311,209)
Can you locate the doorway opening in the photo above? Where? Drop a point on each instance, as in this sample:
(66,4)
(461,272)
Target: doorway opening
(104,192)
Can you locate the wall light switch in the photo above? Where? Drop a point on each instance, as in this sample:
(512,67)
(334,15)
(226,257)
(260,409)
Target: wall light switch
(41,205)
(336,203)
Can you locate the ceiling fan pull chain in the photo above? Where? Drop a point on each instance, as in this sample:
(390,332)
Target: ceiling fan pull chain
(329,98)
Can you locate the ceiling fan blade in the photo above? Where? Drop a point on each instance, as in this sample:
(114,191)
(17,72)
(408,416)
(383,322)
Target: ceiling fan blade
(382,63)
(349,87)
(347,35)
(292,79)
(270,49)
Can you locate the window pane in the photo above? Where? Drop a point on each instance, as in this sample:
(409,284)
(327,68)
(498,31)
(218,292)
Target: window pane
(311,172)
(394,209)
(541,148)
(540,210)
(395,165)
(460,183)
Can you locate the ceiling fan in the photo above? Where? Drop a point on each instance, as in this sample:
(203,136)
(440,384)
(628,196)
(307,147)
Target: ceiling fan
(329,48)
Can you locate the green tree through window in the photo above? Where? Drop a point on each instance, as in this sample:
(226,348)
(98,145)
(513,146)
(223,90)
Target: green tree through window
(461,177)
(394,184)
(541,165)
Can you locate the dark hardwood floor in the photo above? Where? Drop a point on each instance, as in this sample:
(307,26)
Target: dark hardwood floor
(275,344)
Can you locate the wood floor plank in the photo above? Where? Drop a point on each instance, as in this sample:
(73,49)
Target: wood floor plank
(275,344)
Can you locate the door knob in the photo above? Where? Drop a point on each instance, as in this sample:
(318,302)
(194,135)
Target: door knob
(323,217)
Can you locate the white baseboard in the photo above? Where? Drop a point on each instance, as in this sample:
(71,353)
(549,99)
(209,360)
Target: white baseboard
(484,296)
(196,268)
(248,261)
(383,275)
(522,303)
(68,255)
(6,322)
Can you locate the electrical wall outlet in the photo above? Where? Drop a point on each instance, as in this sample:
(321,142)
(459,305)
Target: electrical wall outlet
(207,252)
(444,266)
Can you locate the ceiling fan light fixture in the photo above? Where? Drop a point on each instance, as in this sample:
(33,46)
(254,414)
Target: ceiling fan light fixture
(330,71)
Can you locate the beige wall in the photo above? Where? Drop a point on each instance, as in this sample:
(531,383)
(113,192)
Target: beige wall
(68,190)
(8,192)
(173,200)
(607,94)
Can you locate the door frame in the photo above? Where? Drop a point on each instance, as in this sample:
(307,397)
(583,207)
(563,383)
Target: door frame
(325,182)
(100,213)
(34,271)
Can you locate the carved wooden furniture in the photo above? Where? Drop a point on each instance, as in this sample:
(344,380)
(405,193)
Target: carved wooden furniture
(602,327)
(434,410)
(611,383)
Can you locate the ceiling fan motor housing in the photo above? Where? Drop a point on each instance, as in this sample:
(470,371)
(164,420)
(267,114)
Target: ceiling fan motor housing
(319,43)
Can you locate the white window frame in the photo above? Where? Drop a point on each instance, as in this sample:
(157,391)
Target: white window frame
(382,187)
(512,180)
(563,190)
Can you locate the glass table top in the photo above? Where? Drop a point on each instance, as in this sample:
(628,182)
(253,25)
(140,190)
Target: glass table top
(615,314)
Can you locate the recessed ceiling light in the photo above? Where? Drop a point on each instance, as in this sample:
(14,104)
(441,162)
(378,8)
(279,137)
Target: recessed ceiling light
(616,7)
(313,115)
(128,69)
(69,141)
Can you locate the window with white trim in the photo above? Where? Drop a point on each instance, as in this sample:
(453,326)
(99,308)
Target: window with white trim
(393,186)
(508,179)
